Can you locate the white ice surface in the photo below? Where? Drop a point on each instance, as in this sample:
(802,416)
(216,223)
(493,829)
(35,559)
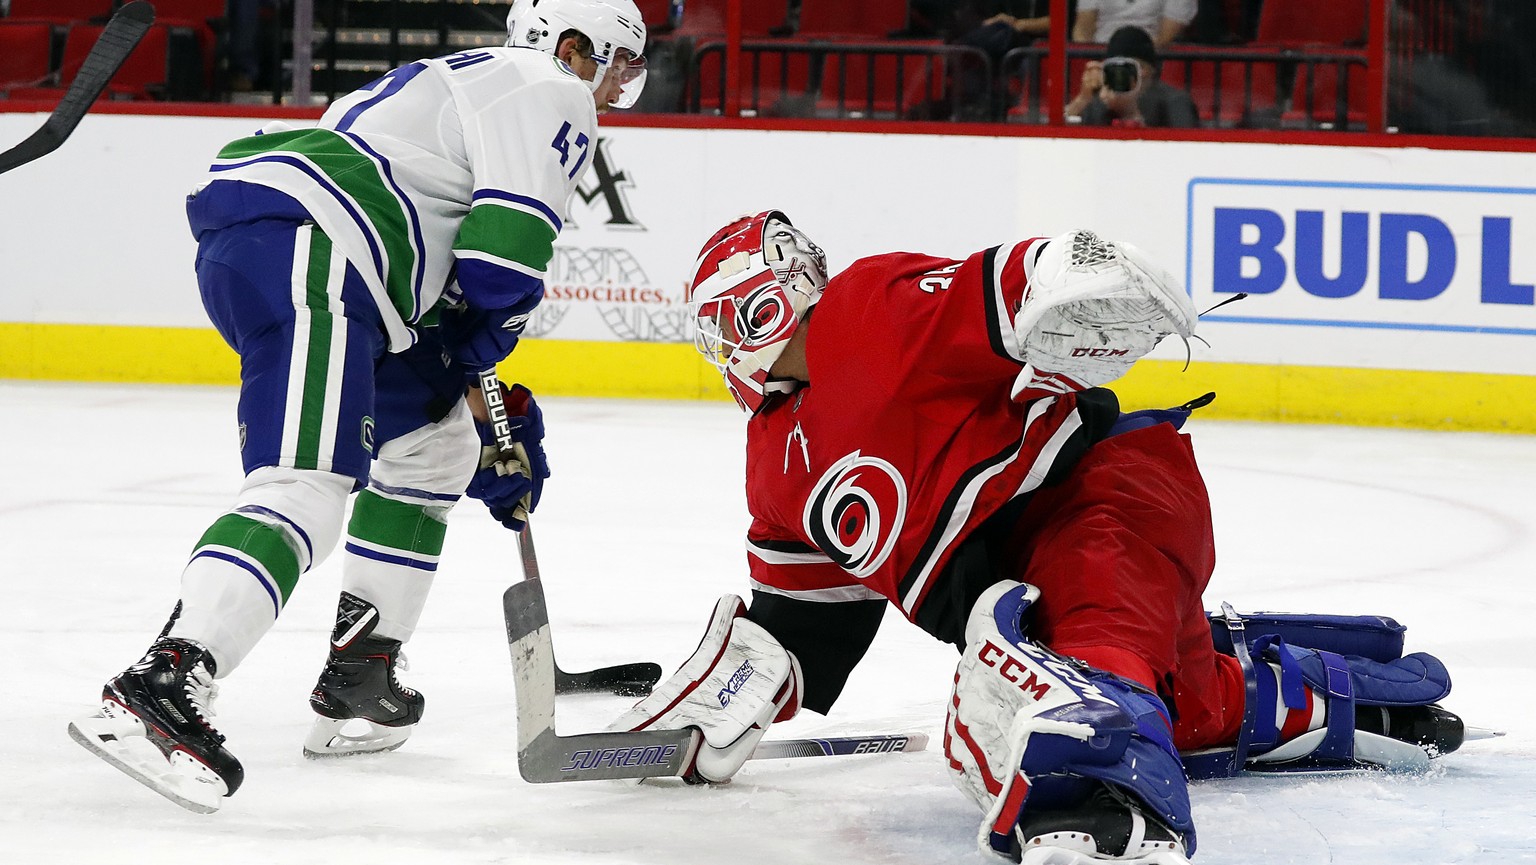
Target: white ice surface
(103,491)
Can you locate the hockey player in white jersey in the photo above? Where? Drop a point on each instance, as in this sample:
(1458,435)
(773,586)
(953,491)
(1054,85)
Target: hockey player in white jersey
(366,270)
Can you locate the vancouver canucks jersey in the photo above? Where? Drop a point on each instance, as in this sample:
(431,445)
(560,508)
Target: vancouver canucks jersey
(457,167)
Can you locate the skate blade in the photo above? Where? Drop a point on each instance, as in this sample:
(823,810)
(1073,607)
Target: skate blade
(121,743)
(1076,855)
(1374,752)
(329,737)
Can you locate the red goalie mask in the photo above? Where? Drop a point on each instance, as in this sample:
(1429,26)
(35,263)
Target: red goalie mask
(754,281)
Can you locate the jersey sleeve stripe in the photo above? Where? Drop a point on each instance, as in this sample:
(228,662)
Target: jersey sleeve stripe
(497,261)
(834,595)
(780,553)
(956,514)
(994,264)
(503,232)
(524,203)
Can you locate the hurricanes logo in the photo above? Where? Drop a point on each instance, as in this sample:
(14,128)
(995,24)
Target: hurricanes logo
(856,511)
(763,315)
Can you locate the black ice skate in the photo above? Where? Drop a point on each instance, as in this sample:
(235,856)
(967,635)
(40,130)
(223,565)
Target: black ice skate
(1432,728)
(1108,826)
(154,725)
(363,708)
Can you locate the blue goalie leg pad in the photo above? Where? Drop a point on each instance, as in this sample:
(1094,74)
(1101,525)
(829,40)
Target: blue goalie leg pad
(1131,746)
(1381,677)
(1131,749)
(1376,637)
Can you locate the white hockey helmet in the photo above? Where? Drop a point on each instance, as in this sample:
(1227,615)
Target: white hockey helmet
(614,26)
(755,280)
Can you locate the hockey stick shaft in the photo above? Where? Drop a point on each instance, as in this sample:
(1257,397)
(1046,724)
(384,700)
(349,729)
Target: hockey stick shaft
(117,41)
(839,746)
(627,680)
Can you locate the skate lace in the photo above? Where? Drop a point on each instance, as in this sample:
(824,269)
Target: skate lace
(201,690)
(394,671)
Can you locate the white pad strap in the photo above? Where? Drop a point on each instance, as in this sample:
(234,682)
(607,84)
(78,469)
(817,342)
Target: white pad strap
(737,682)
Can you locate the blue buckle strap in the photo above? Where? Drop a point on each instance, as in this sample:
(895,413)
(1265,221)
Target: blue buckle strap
(1228,762)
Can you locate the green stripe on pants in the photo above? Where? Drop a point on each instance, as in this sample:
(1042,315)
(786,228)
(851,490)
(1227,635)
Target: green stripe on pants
(317,362)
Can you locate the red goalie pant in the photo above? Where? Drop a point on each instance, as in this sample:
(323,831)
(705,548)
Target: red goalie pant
(1122,551)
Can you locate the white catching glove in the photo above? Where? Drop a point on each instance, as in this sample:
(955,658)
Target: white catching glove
(737,682)
(1093,308)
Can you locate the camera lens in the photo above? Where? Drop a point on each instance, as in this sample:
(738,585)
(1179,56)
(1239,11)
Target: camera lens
(1120,74)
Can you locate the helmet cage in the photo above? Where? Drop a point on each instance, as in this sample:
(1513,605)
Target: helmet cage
(754,282)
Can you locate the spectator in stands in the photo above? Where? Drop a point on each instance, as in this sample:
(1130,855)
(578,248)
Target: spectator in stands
(244,18)
(1163,20)
(1124,89)
(1008,24)
(1024,20)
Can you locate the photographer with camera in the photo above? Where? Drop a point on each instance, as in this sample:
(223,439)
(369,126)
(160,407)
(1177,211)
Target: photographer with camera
(1124,90)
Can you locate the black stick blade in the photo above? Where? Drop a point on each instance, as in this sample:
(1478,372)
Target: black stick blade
(121,35)
(625,680)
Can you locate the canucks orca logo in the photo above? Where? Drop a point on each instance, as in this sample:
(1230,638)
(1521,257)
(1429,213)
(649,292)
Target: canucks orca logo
(856,511)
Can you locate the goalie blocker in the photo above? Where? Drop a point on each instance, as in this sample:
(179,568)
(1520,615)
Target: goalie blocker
(737,682)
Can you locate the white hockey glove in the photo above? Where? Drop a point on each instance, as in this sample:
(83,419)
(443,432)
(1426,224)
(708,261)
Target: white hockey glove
(737,682)
(1092,309)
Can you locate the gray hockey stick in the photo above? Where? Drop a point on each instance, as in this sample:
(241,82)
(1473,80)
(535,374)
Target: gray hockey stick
(544,756)
(117,41)
(625,680)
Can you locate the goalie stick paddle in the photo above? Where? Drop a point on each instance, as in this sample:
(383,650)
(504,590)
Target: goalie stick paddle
(117,41)
(625,680)
(544,756)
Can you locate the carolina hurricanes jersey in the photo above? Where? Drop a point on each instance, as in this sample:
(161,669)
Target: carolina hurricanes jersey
(863,483)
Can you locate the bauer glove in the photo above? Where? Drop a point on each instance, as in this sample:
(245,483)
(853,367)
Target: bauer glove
(510,482)
(481,338)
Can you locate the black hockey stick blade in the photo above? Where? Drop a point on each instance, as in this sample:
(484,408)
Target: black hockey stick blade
(117,41)
(625,680)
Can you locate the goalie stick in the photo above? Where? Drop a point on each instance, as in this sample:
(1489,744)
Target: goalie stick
(544,756)
(117,41)
(625,680)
